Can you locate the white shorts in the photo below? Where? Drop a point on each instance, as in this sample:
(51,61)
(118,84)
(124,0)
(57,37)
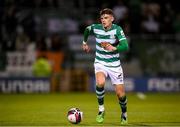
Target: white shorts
(115,74)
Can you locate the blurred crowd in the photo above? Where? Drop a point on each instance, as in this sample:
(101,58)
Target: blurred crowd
(46,23)
(57,25)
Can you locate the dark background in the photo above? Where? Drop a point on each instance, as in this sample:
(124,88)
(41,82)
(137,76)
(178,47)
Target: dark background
(30,26)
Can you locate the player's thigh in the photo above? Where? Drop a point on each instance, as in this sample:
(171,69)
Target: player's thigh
(100,79)
(116,75)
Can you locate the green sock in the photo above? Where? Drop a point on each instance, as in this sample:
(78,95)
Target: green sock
(100,95)
(123,104)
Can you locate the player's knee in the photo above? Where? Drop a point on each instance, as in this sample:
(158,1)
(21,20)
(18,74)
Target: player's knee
(120,94)
(100,83)
(120,91)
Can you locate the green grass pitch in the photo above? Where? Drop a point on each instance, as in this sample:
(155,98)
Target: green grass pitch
(158,109)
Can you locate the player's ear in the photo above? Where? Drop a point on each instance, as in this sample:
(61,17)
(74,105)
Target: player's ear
(112,18)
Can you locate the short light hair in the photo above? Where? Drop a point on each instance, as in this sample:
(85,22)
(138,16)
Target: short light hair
(106,11)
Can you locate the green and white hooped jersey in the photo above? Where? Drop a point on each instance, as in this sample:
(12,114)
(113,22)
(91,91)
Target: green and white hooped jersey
(107,58)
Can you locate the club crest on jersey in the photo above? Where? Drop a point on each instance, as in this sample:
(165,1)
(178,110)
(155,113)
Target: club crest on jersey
(112,36)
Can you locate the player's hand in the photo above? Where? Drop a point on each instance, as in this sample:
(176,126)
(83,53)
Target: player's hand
(85,47)
(107,46)
(104,44)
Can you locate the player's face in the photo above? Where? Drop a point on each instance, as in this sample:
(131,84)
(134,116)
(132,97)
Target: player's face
(107,20)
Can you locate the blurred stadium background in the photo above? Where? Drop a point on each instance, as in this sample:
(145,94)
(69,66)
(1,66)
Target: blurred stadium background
(53,29)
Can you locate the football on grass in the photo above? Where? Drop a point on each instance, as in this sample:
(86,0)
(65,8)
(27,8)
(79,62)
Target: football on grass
(75,115)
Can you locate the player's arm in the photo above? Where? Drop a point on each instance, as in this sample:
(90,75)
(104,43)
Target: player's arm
(86,34)
(121,47)
(123,44)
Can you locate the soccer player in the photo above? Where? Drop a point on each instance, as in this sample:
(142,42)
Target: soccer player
(110,41)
